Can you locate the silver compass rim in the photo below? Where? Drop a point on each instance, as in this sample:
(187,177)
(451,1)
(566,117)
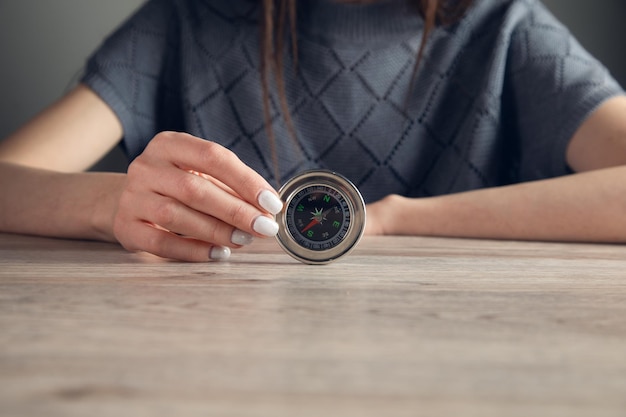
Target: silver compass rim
(356,205)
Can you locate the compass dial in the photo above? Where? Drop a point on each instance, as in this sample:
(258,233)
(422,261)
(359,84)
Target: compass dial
(323,217)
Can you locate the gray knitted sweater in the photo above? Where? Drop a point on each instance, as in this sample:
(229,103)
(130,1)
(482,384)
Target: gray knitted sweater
(496,99)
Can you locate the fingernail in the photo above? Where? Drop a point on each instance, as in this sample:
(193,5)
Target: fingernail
(239,237)
(219,253)
(265,226)
(270,202)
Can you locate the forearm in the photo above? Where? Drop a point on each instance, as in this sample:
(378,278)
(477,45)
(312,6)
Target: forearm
(77,205)
(588,207)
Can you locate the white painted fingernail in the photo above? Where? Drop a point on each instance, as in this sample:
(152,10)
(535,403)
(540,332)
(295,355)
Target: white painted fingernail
(239,237)
(270,202)
(265,226)
(219,253)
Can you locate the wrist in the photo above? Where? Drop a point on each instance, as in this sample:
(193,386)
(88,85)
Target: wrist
(105,202)
(411,216)
(389,216)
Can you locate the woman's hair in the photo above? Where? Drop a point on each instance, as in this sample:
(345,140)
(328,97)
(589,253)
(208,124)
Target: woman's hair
(279,16)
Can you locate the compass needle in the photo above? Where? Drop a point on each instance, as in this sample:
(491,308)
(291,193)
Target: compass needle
(308,226)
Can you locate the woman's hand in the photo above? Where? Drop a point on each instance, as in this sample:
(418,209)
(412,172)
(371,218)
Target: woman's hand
(190,199)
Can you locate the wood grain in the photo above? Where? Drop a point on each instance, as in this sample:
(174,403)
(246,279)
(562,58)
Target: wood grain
(401,327)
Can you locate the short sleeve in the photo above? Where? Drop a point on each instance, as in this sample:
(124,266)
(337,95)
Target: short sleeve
(556,85)
(127,71)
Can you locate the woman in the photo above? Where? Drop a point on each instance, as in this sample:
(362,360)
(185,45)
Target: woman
(481,140)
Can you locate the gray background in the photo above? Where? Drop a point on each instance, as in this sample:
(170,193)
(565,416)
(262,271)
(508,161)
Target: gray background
(44,43)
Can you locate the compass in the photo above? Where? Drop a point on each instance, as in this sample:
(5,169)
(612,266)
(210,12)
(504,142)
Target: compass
(323,217)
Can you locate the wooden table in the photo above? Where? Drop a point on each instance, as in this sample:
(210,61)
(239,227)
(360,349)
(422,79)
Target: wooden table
(401,327)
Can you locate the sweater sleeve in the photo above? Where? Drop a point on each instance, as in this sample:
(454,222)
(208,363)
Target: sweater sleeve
(126,71)
(556,85)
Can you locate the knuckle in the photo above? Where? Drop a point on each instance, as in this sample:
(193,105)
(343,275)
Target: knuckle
(156,244)
(189,188)
(165,214)
(124,239)
(160,139)
(135,167)
(139,169)
(130,246)
(211,233)
(159,144)
(214,154)
(237,214)
(247,182)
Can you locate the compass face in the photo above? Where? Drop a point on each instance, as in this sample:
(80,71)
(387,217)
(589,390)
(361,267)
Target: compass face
(319,217)
(323,218)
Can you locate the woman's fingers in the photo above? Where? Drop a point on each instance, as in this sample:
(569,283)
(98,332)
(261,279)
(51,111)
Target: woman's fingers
(204,198)
(207,197)
(142,229)
(166,244)
(190,153)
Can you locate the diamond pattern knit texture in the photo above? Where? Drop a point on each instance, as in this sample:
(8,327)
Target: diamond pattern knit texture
(495,100)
